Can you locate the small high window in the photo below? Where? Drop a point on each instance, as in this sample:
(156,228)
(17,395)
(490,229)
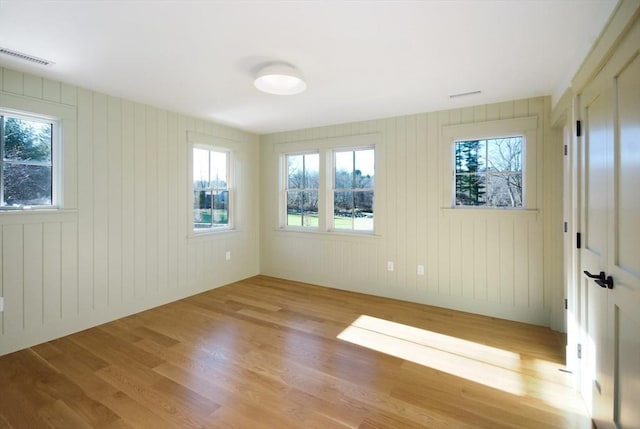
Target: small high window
(27,161)
(210,189)
(489,172)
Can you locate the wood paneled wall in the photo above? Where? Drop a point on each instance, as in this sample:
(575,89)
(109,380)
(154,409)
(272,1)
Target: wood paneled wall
(502,263)
(121,243)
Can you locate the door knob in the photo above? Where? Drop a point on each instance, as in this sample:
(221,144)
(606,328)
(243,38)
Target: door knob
(601,276)
(608,282)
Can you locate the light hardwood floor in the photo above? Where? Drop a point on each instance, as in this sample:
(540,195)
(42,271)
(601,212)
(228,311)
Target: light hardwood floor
(265,353)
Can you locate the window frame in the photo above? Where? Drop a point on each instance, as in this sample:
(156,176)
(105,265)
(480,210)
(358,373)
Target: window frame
(523,126)
(284,201)
(202,141)
(326,147)
(487,173)
(55,164)
(352,190)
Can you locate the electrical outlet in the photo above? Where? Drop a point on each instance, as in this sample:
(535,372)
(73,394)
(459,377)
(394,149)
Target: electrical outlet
(389,265)
(421,270)
(227,255)
(1,304)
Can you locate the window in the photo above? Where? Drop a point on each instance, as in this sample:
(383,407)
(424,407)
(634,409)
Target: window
(27,145)
(353,183)
(210,189)
(301,194)
(489,173)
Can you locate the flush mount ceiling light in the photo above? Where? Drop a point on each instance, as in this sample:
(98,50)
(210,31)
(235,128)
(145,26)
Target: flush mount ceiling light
(279,79)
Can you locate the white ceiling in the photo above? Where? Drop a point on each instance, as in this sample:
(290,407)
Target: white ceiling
(361,59)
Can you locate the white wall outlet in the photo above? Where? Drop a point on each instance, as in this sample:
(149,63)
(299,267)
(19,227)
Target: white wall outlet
(420,270)
(1,304)
(389,265)
(227,255)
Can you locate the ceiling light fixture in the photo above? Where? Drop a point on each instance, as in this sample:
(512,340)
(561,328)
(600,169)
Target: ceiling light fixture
(279,79)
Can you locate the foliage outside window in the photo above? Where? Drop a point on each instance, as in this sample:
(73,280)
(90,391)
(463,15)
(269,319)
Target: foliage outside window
(210,189)
(488,173)
(26,170)
(302,183)
(353,189)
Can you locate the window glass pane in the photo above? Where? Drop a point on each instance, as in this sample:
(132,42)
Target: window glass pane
(504,190)
(295,171)
(202,209)
(505,154)
(220,212)
(294,208)
(27,140)
(201,170)
(312,171)
(343,175)
(470,189)
(343,210)
(26,184)
(363,211)
(310,208)
(470,156)
(218,164)
(364,168)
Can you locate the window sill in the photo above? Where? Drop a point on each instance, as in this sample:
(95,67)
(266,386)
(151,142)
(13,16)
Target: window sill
(37,216)
(332,233)
(492,212)
(212,233)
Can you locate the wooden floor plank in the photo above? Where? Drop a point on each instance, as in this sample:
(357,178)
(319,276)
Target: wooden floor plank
(273,353)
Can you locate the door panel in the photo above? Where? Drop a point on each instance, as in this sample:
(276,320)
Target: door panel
(593,256)
(627,234)
(624,261)
(610,218)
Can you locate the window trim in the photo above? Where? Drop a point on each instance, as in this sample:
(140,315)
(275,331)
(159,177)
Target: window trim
(217,144)
(64,169)
(284,181)
(333,189)
(326,148)
(487,173)
(525,127)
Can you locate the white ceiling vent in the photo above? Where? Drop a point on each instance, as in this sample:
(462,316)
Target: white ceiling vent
(25,57)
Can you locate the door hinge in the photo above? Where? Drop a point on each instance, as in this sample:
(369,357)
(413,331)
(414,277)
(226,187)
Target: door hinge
(566,226)
(566,304)
(579,351)
(566,150)
(578,240)
(578,129)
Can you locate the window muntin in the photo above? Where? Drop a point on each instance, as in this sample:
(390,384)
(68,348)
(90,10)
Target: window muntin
(27,145)
(353,189)
(489,172)
(301,190)
(211,205)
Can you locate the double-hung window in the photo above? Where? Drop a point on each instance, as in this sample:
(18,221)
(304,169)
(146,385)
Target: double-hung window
(331,188)
(211,189)
(488,172)
(353,189)
(301,192)
(27,146)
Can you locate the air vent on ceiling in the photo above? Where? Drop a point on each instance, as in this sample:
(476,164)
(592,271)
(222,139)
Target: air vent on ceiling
(25,57)
(465,94)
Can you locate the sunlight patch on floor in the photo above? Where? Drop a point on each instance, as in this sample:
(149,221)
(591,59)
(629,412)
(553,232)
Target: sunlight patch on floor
(475,362)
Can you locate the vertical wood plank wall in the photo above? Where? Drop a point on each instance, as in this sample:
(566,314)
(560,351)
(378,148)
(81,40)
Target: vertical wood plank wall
(120,246)
(501,263)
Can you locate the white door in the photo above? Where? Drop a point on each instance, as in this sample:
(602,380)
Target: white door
(610,224)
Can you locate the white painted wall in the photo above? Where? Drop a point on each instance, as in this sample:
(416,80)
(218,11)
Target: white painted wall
(121,245)
(512,260)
